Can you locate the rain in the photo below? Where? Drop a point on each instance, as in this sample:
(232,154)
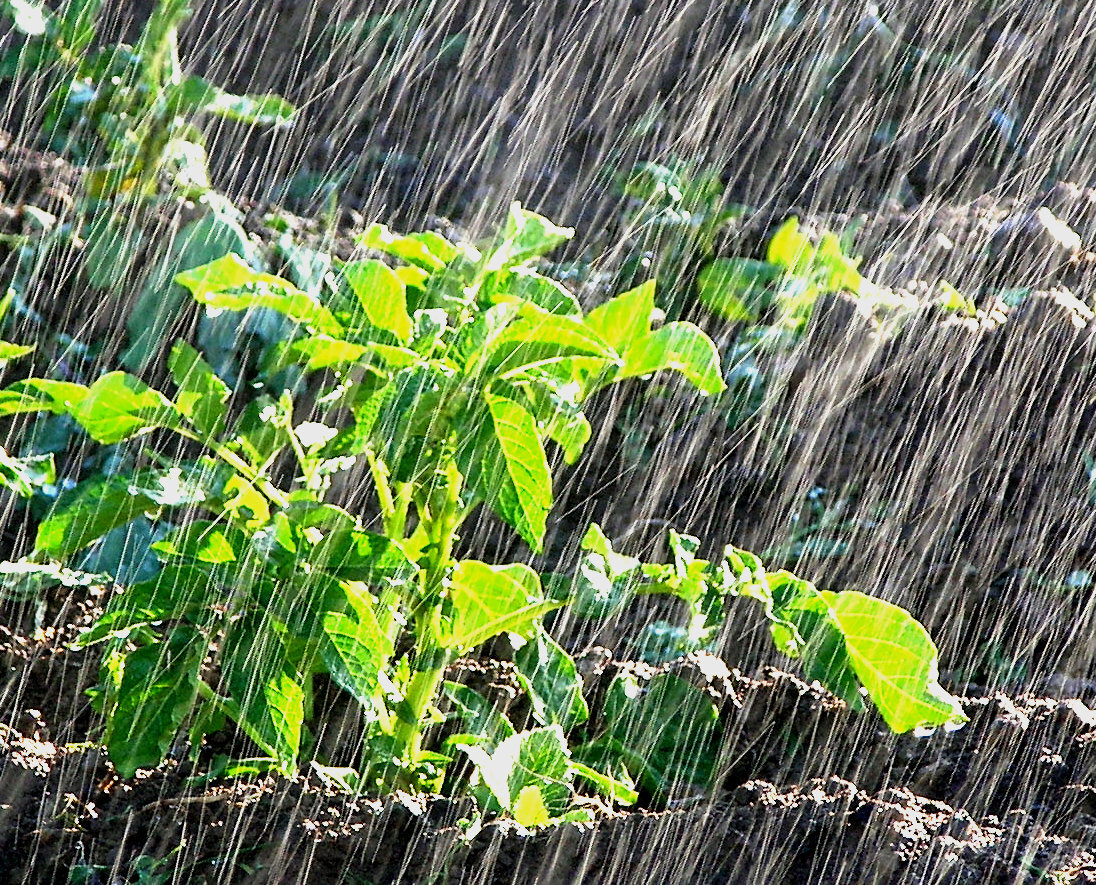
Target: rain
(801,570)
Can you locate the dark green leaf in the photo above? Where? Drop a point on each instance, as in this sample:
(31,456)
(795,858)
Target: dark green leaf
(668,729)
(196,95)
(202,398)
(266,686)
(158,690)
(550,678)
(480,716)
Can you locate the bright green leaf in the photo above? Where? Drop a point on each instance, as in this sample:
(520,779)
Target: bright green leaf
(382,294)
(493,599)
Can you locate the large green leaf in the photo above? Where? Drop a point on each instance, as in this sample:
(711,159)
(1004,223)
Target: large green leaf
(492,599)
(353,554)
(895,659)
(176,592)
(356,647)
(41,395)
(682,347)
(228,283)
(202,398)
(550,679)
(737,288)
(431,253)
(98,505)
(668,731)
(382,294)
(158,689)
(625,319)
(161,300)
(536,337)
(112,245)
(528,774)
(525,284)
(525,235)
(119,406)
(514,477)
(196,95)
(266,686)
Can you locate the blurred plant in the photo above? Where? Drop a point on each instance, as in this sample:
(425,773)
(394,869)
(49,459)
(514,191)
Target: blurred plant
(674,214)
(127,113)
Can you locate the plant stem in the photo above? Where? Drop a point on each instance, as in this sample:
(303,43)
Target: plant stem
(440,514)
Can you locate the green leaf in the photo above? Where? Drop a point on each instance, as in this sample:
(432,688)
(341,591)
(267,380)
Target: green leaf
(161,300)
(382,294)
(356,648)
(791,249)
(737,288)
(535,337)
(119,406)
(614,789)
(550,678)
(525,235)
(480,716)
(202,398)
(25,475)
(682,347)
(625,319)
(41,395)
(29,16)
(606,580)
(323,352)
(430,252)
(668,730)
(176,592)
(228,283)
(98,505)
(112,245)
(492,599)
(9,352)
(203,541)
(196,95)
(532,760)
(353,554)
(561,419)
(525,284)
(158,690)
(895,659)
(266,686)
(513,475)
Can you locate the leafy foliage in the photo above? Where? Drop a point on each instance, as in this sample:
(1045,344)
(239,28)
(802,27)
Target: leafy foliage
(126,111)
(451,375)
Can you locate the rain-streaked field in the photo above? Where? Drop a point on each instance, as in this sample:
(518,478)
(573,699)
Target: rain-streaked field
(510,442)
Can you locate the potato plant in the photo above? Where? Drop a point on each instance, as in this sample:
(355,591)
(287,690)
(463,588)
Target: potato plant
(127,112)
(447,373)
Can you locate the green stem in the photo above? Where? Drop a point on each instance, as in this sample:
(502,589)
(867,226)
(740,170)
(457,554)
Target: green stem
(238,464)
(441,515)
